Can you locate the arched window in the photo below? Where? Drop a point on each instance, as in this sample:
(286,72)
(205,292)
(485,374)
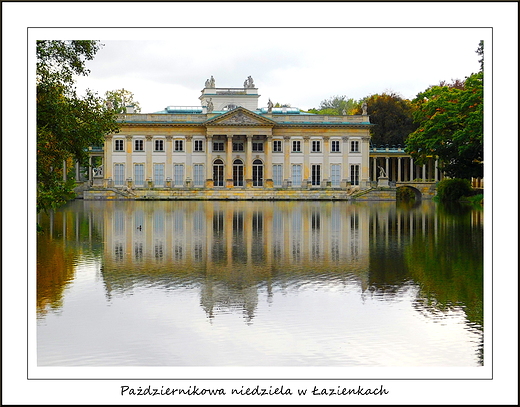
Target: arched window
(258,173)
(218,173)
(238,173)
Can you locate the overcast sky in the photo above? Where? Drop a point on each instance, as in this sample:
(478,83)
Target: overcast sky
(299,66)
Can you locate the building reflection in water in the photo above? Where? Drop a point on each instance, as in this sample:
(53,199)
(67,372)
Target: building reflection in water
(233,251)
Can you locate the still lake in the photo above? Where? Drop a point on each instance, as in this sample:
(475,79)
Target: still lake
(260,283)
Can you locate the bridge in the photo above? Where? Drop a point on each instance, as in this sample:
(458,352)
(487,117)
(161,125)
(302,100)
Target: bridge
(422,190)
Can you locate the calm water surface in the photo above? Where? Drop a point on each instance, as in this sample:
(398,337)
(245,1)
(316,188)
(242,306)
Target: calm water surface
(194,283)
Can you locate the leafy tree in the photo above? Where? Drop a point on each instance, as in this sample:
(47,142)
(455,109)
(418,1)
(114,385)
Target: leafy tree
(66,124)
(451,127)
(120,99)
(392,116)
(337,105)
(450,121)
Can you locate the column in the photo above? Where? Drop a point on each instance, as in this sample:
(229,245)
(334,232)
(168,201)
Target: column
(399,169)
(149,159)
(374,169)
(64,170)
(345,165)
(411,169)
(107,165)
(326,165)
(168,171)
(188,173)
(387,167)
(364,161)
(248,168)
(209,161)
(436,170)
(229,161)
(129,149)
(286,158)
(424,172)
(306,154)
(268,183)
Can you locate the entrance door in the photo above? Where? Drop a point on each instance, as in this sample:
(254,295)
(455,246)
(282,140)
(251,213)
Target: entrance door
(258,173)
(218,173)
(238,173)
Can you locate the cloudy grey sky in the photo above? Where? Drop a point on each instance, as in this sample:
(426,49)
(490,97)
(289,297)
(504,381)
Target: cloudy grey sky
(300,66)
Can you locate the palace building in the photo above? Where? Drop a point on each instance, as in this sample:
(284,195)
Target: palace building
(229,147)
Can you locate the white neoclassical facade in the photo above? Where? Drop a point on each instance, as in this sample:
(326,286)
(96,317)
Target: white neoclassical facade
(229,143)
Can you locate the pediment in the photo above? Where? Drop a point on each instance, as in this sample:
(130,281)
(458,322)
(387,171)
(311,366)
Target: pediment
(240,117)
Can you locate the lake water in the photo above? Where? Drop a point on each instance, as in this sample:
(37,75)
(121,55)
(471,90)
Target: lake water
(245,283)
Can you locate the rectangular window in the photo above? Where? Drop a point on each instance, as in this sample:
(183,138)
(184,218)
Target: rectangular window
(198,175)
(296,146)
(258,146)
(158,175)
(238,146)
(119,145)
(334,146)
(335,175)
(277,146)
(159,145)
(119,174)
(296,175)
(354,174)
(139,145)
(178,145)
(218,146)
(139,175)
(178,175)
(198,145)
(354,146)
(316,174)
(277,175)
(316,146)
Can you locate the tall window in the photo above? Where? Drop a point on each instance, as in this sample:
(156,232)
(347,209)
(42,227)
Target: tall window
(198,175)
(119,174)
(178,145)
(296,175)
(316,174)
(139,145)
(258,146)
(277,175)
(178,175)
(159,145)
(316,146)
(119,145)
(139,175)
(277,146)
(218,146)
(158,175)
(296,146)
(238,173)
(198,145)
(354,174)
(334,146)
(258,173)
(335,175)
(218,173)
(354,146)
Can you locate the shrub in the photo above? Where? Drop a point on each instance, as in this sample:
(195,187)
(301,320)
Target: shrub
(453,189)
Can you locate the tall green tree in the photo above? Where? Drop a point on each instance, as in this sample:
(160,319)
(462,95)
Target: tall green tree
(120,99)
(336,105)
(66,124)
(450,126)
(392,116)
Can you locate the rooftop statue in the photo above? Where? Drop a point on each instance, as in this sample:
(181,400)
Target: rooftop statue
(210,83)
(269,106)
(364,106)
(248,83)
(209,106)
